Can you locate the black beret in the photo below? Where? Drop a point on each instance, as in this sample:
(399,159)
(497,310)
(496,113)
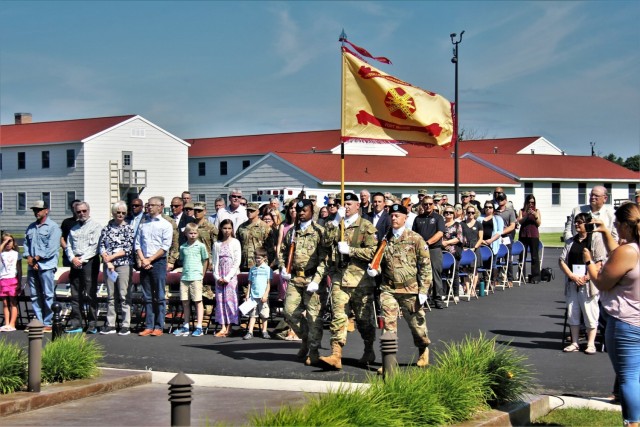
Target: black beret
(302,203)
(398,208)
(350,196)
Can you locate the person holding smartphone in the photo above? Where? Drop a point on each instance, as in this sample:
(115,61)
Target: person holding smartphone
(530,219)
(581,294)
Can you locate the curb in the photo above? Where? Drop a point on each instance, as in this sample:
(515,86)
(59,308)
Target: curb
(515,414)
(53,394)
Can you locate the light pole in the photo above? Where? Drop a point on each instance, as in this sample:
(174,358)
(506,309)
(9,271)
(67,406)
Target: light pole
(457,119)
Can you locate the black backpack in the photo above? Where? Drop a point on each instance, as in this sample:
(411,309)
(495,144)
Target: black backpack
(546,274)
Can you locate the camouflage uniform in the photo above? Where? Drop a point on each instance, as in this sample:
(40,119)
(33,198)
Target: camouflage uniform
(309,265)
(350,284)
(406,272)
(208,234)
(174,250)
(253,236)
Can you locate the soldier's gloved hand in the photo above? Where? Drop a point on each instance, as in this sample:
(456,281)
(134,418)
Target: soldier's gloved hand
(312,287)
(371,272)
(343,248)
(342,212)
(422,298)
(284,275)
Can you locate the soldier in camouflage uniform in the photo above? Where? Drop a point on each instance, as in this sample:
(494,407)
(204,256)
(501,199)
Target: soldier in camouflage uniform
(254,233)
(305,279)
(351,286)
(406,279)
(208,234)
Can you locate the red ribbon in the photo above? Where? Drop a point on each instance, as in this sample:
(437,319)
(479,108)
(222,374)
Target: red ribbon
(364,52)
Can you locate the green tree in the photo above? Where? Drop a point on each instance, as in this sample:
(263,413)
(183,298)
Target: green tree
(615,159)
(633,163)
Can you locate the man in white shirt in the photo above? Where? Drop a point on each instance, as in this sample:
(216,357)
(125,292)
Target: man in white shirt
(234,211)
(598,210)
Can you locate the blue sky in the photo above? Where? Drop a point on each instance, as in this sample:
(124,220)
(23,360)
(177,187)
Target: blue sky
(568,71)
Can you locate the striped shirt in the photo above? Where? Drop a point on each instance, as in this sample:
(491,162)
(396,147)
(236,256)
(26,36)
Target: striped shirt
(83,240)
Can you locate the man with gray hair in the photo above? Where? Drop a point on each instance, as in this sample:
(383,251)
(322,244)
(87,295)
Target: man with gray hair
(82,252)
(234,211)
(598,209)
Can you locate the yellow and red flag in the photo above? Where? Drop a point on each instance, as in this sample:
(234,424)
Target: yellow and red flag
(380,107)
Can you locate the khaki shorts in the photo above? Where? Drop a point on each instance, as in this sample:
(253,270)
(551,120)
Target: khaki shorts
(191,288)
(262,309)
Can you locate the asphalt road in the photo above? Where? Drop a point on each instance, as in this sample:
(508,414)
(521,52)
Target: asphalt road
(528,318)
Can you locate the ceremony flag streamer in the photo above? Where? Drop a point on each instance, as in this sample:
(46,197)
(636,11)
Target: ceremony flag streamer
(381,108)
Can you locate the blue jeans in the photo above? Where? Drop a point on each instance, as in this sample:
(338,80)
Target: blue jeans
(623,346)
(43,291)
(153,282)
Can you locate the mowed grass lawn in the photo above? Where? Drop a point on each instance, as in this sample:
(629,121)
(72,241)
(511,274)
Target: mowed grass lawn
(580,417)
(551,240)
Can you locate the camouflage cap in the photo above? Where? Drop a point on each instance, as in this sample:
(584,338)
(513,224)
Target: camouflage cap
(199,206)
(423,192)
(188,205)
(437,196)
(466,194)
(252,206)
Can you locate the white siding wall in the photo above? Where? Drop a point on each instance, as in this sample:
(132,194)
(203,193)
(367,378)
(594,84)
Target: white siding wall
(212,165)
(34,180)
(272,173)
(541,146)
(163,157)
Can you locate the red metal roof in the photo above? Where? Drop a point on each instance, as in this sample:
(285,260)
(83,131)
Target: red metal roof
(403,170)
(562,167)
(56,132)
(298,142)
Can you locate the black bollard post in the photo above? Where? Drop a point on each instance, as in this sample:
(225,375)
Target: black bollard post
(389,349)
(35,355)
(57,328)
(180,397)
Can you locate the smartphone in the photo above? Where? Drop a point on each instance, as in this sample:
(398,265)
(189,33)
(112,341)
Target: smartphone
(590,227)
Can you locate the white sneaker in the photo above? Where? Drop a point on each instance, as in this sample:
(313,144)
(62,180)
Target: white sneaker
(456,299)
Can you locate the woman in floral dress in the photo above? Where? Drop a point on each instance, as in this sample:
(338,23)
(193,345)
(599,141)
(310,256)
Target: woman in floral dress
(226,255)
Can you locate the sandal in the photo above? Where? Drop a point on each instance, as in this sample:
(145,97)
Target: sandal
(222,334)
(572,348)
(591,349)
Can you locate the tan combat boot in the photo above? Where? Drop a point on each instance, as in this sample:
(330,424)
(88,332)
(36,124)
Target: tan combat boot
(314,357)
(369,356)
(423,360)
(335,360)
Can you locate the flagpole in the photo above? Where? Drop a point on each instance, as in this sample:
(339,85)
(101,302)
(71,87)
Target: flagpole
(456,120)
(343,37)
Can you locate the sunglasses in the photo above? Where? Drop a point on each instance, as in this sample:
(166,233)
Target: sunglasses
(488,207)
(175,206)
(235,196)
(427,204)
(330,205)
(449,213)
(471,212)
(121,213)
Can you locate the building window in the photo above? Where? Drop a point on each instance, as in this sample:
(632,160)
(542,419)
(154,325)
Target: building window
(610,198)
(528,188)
(46,198)
(202,169)
(202,198)
(0,161)
(22,160)
(45,160)
(22,201)
(223,167)
(246,164)
(555,193)
(1,202)
(582,193)
(71,158)
(138,133)
(632,192)
(71,196)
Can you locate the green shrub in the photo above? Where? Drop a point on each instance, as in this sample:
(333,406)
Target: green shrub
(13,367)
(70,357)
(467,377)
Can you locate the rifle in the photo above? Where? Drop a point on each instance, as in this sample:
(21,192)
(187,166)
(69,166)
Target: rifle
(292,247)
(377,258)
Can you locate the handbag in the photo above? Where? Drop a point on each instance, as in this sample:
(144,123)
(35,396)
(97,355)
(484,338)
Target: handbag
(546,274)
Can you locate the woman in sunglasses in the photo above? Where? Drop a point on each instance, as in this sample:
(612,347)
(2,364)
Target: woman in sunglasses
(530,219)
(492,226)
(452,242)
(473,233)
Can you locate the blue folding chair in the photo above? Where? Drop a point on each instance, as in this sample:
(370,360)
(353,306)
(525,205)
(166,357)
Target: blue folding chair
(501,262)
(517,261)
(467,268)
(448,274)
(486,255)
